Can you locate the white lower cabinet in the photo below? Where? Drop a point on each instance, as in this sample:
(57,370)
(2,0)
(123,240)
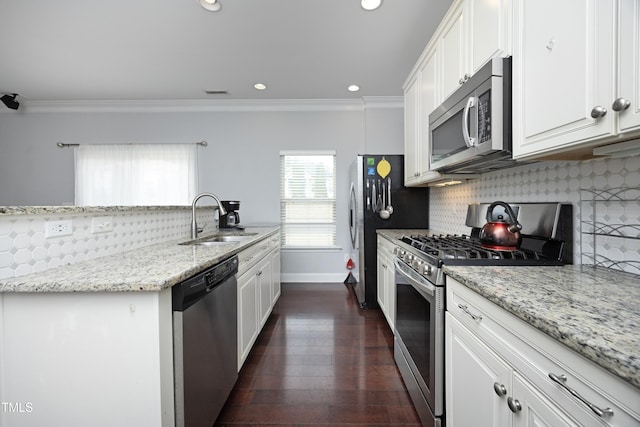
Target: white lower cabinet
(258,291)
(473,372)
(247,314)
(532,408)
(386,281)
(275,276)
(498,372)
(264,285)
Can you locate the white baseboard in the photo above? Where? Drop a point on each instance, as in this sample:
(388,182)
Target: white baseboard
(312,278)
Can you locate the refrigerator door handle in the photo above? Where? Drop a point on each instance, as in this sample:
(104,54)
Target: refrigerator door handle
(353,227)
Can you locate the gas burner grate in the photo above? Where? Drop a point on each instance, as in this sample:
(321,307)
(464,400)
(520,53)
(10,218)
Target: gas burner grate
(447,247)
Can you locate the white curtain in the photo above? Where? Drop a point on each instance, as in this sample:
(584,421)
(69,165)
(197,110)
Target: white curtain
(135,175)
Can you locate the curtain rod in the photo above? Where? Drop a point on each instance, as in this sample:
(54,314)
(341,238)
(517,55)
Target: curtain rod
(63,145)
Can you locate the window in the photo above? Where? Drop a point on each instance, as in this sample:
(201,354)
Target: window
(308,199)
(135,175)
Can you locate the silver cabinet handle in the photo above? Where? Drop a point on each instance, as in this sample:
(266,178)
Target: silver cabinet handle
(500,389)
(464,78)
(514,404)
(620,104)
(561,379)
(598,112)
(465,308)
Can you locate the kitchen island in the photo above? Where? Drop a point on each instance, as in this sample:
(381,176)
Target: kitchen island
(91,343)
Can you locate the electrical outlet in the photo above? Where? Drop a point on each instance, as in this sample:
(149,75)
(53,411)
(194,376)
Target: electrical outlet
(101,224)
(58,228)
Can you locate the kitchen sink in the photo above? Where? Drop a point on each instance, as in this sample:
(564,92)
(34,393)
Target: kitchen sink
(228,238)
(220,239)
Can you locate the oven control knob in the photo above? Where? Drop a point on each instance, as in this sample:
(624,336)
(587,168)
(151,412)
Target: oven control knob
(428,270)
(408,258)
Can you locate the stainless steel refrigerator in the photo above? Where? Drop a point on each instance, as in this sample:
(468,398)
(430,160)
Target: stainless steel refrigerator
(377,182)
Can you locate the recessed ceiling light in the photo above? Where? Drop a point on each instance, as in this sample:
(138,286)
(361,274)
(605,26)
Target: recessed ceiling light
(260,86)
(353,88)
(210,5)
(370,4)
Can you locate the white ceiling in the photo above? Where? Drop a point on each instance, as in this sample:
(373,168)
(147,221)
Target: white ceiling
(79,50)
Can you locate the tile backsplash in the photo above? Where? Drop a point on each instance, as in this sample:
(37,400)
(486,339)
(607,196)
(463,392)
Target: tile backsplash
(25,249)
(549,181)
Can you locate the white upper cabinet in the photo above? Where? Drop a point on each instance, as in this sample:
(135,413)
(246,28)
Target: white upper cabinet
(490,30)
(569,68)
(473,32)
(452,48)
(420,99)
(411,132)
(428,102)
(628,96)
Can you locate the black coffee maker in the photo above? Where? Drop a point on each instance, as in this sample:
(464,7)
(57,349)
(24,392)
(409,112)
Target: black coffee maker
(232,218)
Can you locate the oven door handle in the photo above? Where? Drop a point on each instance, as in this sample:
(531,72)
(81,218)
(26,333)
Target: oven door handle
(423,285)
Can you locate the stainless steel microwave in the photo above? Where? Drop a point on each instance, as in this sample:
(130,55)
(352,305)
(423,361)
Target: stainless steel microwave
(471,131)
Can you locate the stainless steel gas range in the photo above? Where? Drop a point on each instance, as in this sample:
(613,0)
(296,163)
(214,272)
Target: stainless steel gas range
(546,240)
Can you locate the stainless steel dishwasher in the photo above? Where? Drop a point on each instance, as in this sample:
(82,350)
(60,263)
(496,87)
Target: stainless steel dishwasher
(205,343)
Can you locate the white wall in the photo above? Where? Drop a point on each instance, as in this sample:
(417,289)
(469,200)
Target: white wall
(240,163)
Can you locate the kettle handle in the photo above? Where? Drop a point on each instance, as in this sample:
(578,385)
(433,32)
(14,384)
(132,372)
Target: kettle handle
(515,225)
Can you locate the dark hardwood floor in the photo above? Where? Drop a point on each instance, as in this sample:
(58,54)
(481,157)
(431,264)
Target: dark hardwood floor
(320,361)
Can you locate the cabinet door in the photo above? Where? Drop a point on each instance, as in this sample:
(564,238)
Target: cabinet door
(390,287)
(477,380)
(532,409)
(563,64)
(452,53)
(382,300)
(428,102)
(490,30)
(275,276)
(264,289)
(629,65)
(247,314)
(411,133)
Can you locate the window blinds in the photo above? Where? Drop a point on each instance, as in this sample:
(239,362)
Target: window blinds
(308,199)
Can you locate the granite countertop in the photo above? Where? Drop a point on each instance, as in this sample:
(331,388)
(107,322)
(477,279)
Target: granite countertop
(151,268)
(595,312)
(396,234)
(48,210)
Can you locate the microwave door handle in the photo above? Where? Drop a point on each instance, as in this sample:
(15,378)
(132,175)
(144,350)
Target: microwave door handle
(468,139)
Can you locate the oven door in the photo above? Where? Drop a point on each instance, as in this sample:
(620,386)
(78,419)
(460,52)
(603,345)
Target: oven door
(420,336)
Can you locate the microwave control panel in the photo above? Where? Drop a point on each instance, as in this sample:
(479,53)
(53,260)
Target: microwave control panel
(484,117)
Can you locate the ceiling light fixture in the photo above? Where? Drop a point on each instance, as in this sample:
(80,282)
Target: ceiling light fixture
(353,88)
(260,86)
(370,4)
(10,101)
(210,5)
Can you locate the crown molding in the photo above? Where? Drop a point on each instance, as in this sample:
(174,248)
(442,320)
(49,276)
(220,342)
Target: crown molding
(383,102)
(188,106)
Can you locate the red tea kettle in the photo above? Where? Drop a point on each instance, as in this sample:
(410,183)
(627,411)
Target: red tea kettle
(501,235)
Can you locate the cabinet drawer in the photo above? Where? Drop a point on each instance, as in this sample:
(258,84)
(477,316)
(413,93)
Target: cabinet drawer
(250,256)
(537,357)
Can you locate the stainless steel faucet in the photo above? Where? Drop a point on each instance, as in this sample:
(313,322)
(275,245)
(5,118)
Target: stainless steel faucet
(194,226)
